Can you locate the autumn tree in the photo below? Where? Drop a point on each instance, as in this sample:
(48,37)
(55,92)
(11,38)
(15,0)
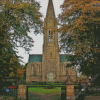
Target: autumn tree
(16,20)
(80,33)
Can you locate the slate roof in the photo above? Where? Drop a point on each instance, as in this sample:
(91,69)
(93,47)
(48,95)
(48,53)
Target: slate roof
(35,58)
(38,58)
(64,57)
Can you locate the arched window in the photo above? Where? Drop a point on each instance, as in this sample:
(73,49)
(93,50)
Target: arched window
(51,55)
(50,36)
(51,77)
(31,70)
(35,70)
(66,70)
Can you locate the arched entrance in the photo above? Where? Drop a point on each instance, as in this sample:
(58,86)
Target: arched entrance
(51,77)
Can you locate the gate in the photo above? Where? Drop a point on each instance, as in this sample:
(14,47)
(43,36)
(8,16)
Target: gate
(62,95)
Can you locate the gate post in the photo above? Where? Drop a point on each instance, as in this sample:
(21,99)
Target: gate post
(22,91)
(69,89)
(26,92)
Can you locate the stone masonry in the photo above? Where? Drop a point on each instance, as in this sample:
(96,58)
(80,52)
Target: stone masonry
(49,66)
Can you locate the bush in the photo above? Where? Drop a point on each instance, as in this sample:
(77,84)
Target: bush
(22,81)
(50,86)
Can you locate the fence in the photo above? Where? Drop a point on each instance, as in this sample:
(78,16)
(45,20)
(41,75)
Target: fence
(89,91)
(10,91)
(93,90)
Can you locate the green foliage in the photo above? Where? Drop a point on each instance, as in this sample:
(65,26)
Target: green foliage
(22,81)
(80,34)
(50,86)
(16,20)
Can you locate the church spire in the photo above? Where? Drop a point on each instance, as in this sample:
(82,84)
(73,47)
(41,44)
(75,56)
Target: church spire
(50,10)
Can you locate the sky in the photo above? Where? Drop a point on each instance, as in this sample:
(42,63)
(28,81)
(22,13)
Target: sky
(38,40)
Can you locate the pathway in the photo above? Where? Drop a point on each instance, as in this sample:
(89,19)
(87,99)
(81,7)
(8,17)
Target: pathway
(36,96)
(93,98)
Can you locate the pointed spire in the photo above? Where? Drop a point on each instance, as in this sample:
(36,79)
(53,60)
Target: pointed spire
(50,10)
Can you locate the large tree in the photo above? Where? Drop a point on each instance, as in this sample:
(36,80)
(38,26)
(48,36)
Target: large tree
(80,33)
(16,20)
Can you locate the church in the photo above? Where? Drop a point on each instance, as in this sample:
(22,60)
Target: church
(50,66)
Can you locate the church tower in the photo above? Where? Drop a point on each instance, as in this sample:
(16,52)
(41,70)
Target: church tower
(50,58)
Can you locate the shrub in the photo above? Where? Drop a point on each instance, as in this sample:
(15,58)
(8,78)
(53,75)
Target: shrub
(50,86)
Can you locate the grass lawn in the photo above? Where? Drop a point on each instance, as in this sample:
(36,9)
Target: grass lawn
(41,90)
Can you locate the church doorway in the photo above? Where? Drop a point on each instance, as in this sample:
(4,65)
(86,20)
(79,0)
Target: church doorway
(51,77)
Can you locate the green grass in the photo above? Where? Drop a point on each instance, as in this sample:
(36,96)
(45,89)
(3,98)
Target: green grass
(1,96)
(41,90)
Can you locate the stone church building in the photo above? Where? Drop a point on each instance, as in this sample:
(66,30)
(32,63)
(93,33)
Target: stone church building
(50,66)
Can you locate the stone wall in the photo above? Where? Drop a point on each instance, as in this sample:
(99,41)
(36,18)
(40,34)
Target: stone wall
(22,91)
(70,92)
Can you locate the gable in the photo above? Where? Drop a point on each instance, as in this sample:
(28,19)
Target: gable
(35,58)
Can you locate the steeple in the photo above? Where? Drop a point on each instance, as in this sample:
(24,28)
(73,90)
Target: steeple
(50,10)
(50,58)
(50,24)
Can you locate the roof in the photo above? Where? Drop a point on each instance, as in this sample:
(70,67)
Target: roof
(50,9)
(64,57)
(35,58)
(38,58)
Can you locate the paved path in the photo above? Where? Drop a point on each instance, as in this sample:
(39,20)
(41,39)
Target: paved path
(1,98)
(93,98)
(10,98)
(35,96)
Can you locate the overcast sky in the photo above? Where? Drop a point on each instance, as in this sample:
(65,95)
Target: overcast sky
(38,40)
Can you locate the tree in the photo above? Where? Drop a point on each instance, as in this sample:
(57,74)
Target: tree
(16,20)
(80,33)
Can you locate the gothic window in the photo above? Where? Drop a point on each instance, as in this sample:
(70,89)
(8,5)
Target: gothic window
(50,36)
(66,70)
(51,77)
(35,70)
(51,55)
(31,70)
